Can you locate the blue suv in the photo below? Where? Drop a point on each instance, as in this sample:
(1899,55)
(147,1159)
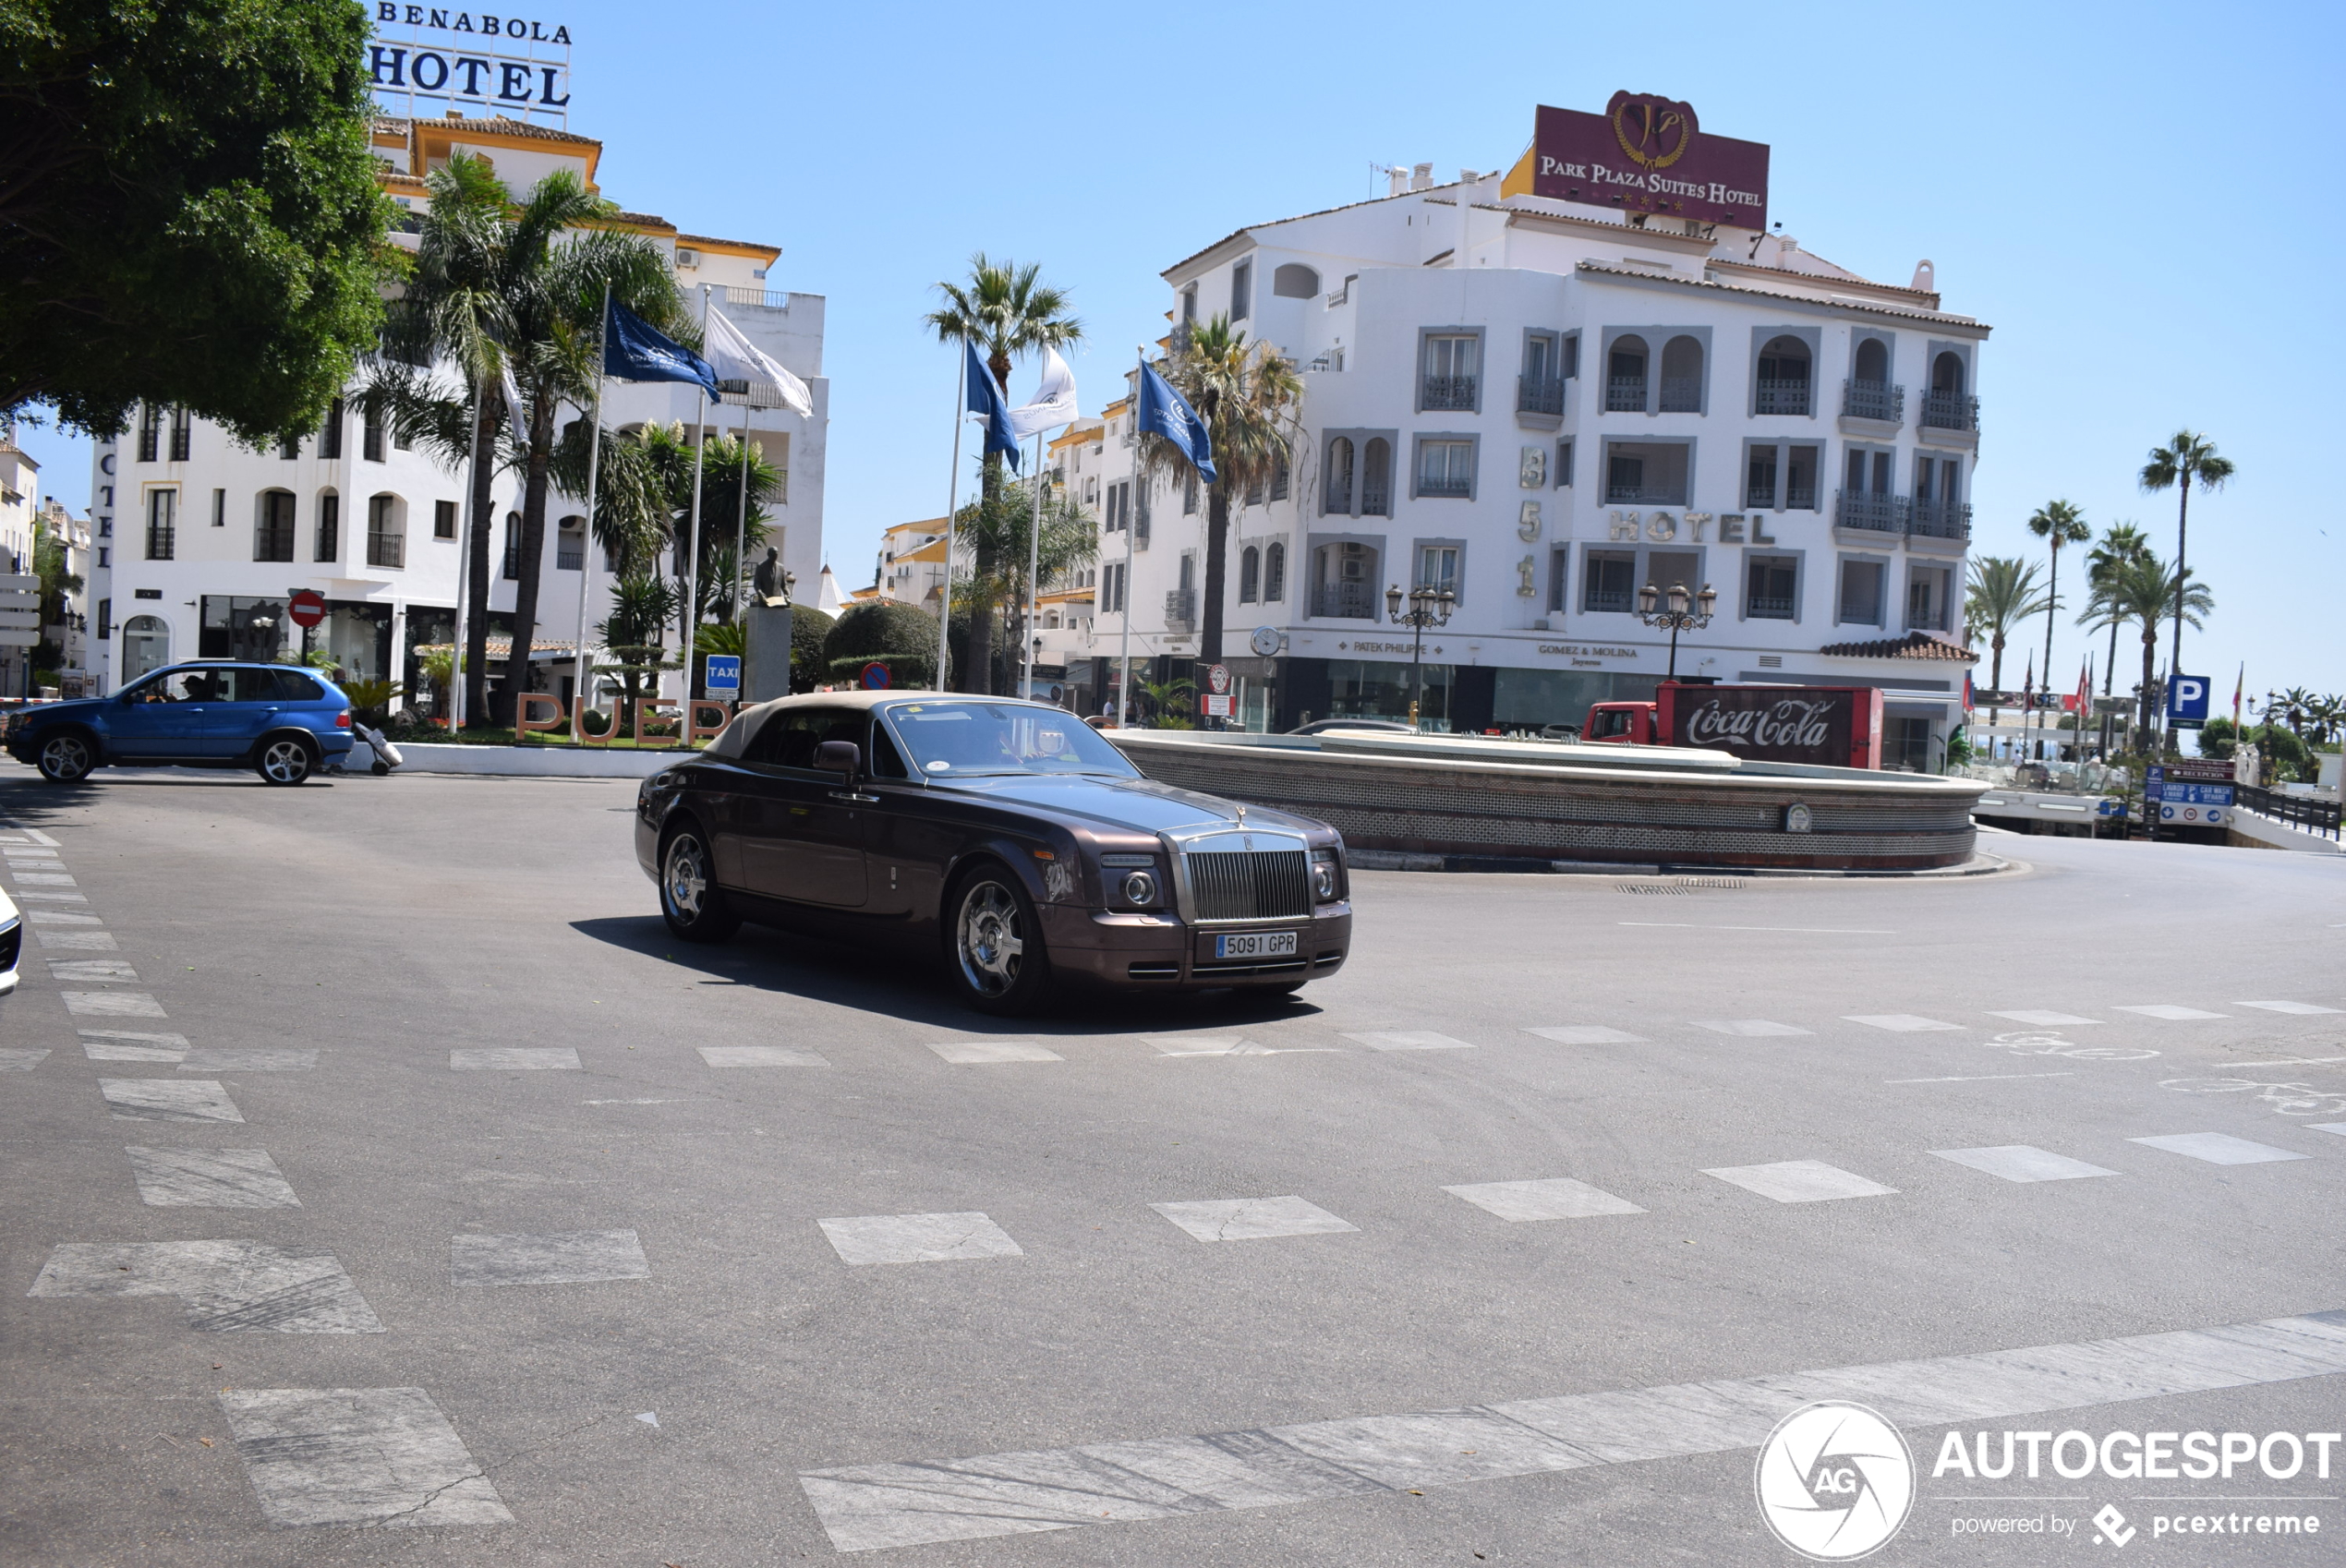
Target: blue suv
(284,721)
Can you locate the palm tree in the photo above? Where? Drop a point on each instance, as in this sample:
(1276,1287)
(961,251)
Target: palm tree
(2001,593)
(996,528)
(2119,542)
(2058,522)
(1005,310)
(2137,593)
(2189,456)
(1246,394)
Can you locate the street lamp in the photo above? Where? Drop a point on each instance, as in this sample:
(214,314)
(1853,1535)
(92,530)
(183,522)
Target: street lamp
(1677,617)
(1428,606)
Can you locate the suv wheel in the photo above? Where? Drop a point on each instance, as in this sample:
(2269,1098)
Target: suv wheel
(996,945)
(690,901)
(286,761)
(67,758)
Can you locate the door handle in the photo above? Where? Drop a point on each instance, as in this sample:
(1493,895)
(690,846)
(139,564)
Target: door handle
(851,796)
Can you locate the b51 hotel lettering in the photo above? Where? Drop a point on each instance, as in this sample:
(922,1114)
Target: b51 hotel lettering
(487,76)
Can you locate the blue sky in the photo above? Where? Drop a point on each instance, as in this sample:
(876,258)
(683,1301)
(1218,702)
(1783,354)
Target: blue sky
(2140,199)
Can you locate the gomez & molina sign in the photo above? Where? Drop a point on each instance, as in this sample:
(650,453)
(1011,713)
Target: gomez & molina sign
(1648,154)
(516,65)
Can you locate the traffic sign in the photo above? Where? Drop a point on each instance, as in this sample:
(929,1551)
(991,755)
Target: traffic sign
(306,608)
(2187,700)
(1217,704)
(875,677)
(724,672)
(1217,679)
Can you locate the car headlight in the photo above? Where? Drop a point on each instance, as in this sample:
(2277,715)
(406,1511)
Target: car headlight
(1323,881)
(1139,887)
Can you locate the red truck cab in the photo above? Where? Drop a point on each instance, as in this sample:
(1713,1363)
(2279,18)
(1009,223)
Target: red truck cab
(1831,726)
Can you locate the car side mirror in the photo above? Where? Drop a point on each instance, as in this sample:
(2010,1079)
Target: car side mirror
(840,756)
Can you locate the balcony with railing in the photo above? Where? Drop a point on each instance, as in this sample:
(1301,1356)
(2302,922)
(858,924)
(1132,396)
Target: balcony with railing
(760,299)
(1443,487)
(1782,397)
(1606,601)
(1539,394)
(1770,608)
(1180,606)
(387,550)
(1681,395)
(1625,394)
(1448,393)
(1951,411)
(1870,513)
(1620,494)
(1799,496)
(1873,400)
(1344,601)
(1940,519)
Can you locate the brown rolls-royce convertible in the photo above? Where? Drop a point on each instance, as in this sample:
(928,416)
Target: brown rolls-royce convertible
(1007,837)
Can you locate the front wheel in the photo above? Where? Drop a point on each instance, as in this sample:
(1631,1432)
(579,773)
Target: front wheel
(66,758)
(286,761)
(690,901)
(998,964)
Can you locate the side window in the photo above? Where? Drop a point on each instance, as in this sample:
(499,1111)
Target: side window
(293,686)
(789,739)
(886,762)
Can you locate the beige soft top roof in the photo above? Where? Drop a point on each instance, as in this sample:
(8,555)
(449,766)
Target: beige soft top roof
(746,723)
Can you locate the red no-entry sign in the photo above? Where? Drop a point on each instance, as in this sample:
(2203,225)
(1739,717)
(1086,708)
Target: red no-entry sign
(306,607)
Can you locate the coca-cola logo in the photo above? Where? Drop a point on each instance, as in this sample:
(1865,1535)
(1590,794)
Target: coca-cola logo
(1790,724)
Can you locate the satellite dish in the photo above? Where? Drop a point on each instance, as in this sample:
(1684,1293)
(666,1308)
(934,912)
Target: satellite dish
(1267,640)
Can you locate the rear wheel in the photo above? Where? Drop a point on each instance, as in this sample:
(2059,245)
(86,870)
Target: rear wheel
(690,901)
(286,761)
(996,945)
(67,758)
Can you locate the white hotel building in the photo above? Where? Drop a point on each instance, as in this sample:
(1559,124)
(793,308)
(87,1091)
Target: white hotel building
(1543,405)
(199,540)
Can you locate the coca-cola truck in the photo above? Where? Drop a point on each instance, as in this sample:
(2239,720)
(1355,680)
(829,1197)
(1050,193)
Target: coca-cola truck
(1833,726)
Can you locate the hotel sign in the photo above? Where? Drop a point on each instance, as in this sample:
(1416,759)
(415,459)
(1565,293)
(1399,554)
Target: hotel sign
(518,66)
(1649,154)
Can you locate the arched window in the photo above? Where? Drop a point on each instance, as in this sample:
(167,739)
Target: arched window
(570,544)
(1784,377)
(146,645)
(1377,479)
(1250,574)
(273,533)
(1682,376)
(386,531)
(1625,376)
(1873,361)
(1275,574)
(1946,374)
(1336,496)
(1295,280)
(329,541)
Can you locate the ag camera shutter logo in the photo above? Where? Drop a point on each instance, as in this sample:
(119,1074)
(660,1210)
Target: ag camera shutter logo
(1836,1481)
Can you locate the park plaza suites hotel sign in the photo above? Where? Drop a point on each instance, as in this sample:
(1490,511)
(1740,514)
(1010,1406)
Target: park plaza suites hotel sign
(1649,154)
(435,57)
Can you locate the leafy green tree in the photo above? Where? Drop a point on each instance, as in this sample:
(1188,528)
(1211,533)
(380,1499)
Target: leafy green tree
(1246,394)
(2058,522)
(2137,593)
(52,553)
(188,209)
(1006,310)
(2001,593)
(808,628)
(997,527)
(2190,458)
(882,631)
(2119,542)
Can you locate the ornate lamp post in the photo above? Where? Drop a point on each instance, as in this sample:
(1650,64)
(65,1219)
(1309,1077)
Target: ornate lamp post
(1428,606)
(1677,617)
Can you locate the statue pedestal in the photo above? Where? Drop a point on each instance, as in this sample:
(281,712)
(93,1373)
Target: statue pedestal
(766,660)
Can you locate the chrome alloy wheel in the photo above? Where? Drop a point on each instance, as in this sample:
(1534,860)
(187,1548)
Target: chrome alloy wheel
(685,882)
(285,762)
(987,939)
(66,759)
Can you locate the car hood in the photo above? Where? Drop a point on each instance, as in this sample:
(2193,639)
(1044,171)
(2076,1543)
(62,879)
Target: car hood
(1139,804)
(78,707)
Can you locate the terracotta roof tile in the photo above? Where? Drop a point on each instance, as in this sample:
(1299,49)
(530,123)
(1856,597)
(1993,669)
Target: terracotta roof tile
(1914,644)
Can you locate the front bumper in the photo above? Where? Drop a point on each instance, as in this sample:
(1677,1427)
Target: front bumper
(1156,951)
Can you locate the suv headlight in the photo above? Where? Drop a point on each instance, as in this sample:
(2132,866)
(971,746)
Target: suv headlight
(1139,887)
(1324,875)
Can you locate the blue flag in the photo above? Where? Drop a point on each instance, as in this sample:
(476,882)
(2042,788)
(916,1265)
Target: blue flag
(986,398)
(634,351)
(1168,413)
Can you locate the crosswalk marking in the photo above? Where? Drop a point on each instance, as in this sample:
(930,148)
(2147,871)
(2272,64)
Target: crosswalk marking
(169,1100)
(14,1059)
(79,941)
(516,1058)
(2219,1148)
(2301,1008)
(577,1256)
(2042,1017)
(1556,1198)
(2169,1011)
(2020,1161)
(226,1287)
(132,1045)
(1228,1046)
(1750,1028)
(980,1053)
(1586,1034)
(247,1058)
(111,1004)
(1801,1181)
(1900,1023)
(357,1456)
(92,969)
(1408,1040)
(917,1238)
(209,1178)
(760,1056)
(1251,1219)
(868,1507)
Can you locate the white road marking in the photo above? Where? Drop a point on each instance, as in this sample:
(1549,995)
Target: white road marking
(1900,1023)
(2042,1019)
(169,1100)
(2219,1148)
(1408,1040)
(917,1238)
(868,1507)
(2019,1161)
(92,969)
(2293,1062)
(1228,1046)
(760,1056)
(14,1061)
(1985,1078)
(59,917)
(247,1058)
(1558,1198)
(381,1456)
(227,1286)
(576,1257)
(1586,1034)
(26,895)
(1251,1219)
(1798,930)
(44,879)
(1748,1028)
(27,852)
(132,1045)
(681,1101)
(1800,1181)
(516,1058)
(2169,1011)
(978,1053)
(79,941)
(2338,1127)
(112,1003)
(2286,1007)
(209,1178)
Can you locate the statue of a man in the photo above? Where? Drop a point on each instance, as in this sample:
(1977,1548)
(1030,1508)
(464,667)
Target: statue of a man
(769,578)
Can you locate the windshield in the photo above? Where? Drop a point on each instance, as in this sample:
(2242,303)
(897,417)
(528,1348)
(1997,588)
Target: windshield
(955,740)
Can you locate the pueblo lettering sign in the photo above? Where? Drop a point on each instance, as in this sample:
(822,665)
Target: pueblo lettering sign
(513,65)
(1646,154)
(1811,726)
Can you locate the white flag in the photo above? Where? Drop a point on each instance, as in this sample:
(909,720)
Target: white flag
(735,358)
(512,403)
(1054,400)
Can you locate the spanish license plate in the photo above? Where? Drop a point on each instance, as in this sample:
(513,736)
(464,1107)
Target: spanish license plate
(1255,944)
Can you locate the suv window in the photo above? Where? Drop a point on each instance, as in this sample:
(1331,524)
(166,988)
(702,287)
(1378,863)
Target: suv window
(790,738)
(273,686)
(182,686)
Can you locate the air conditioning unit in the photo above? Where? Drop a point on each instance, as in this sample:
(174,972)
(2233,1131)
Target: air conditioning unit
(685,257)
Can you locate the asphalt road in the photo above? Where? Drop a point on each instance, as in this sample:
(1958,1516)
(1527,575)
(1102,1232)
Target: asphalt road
(544,1314)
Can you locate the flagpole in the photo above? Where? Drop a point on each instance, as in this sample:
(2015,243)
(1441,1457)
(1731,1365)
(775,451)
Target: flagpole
(463,577)
(741,522)
(582,691)
(1124,586)
(952,494)
(1034,566)
(691,562)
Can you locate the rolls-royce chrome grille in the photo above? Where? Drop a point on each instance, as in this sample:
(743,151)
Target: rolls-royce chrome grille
(1264,885)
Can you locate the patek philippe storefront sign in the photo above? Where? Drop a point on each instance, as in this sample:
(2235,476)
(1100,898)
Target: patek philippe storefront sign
(1646,154)
(430,58)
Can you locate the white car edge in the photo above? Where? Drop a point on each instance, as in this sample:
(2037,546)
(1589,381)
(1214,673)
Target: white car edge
(10,919)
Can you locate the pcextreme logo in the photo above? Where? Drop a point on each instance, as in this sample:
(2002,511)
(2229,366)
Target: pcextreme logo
(1836,1481)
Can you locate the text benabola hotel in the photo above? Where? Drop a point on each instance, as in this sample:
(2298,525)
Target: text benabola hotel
(467,65)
